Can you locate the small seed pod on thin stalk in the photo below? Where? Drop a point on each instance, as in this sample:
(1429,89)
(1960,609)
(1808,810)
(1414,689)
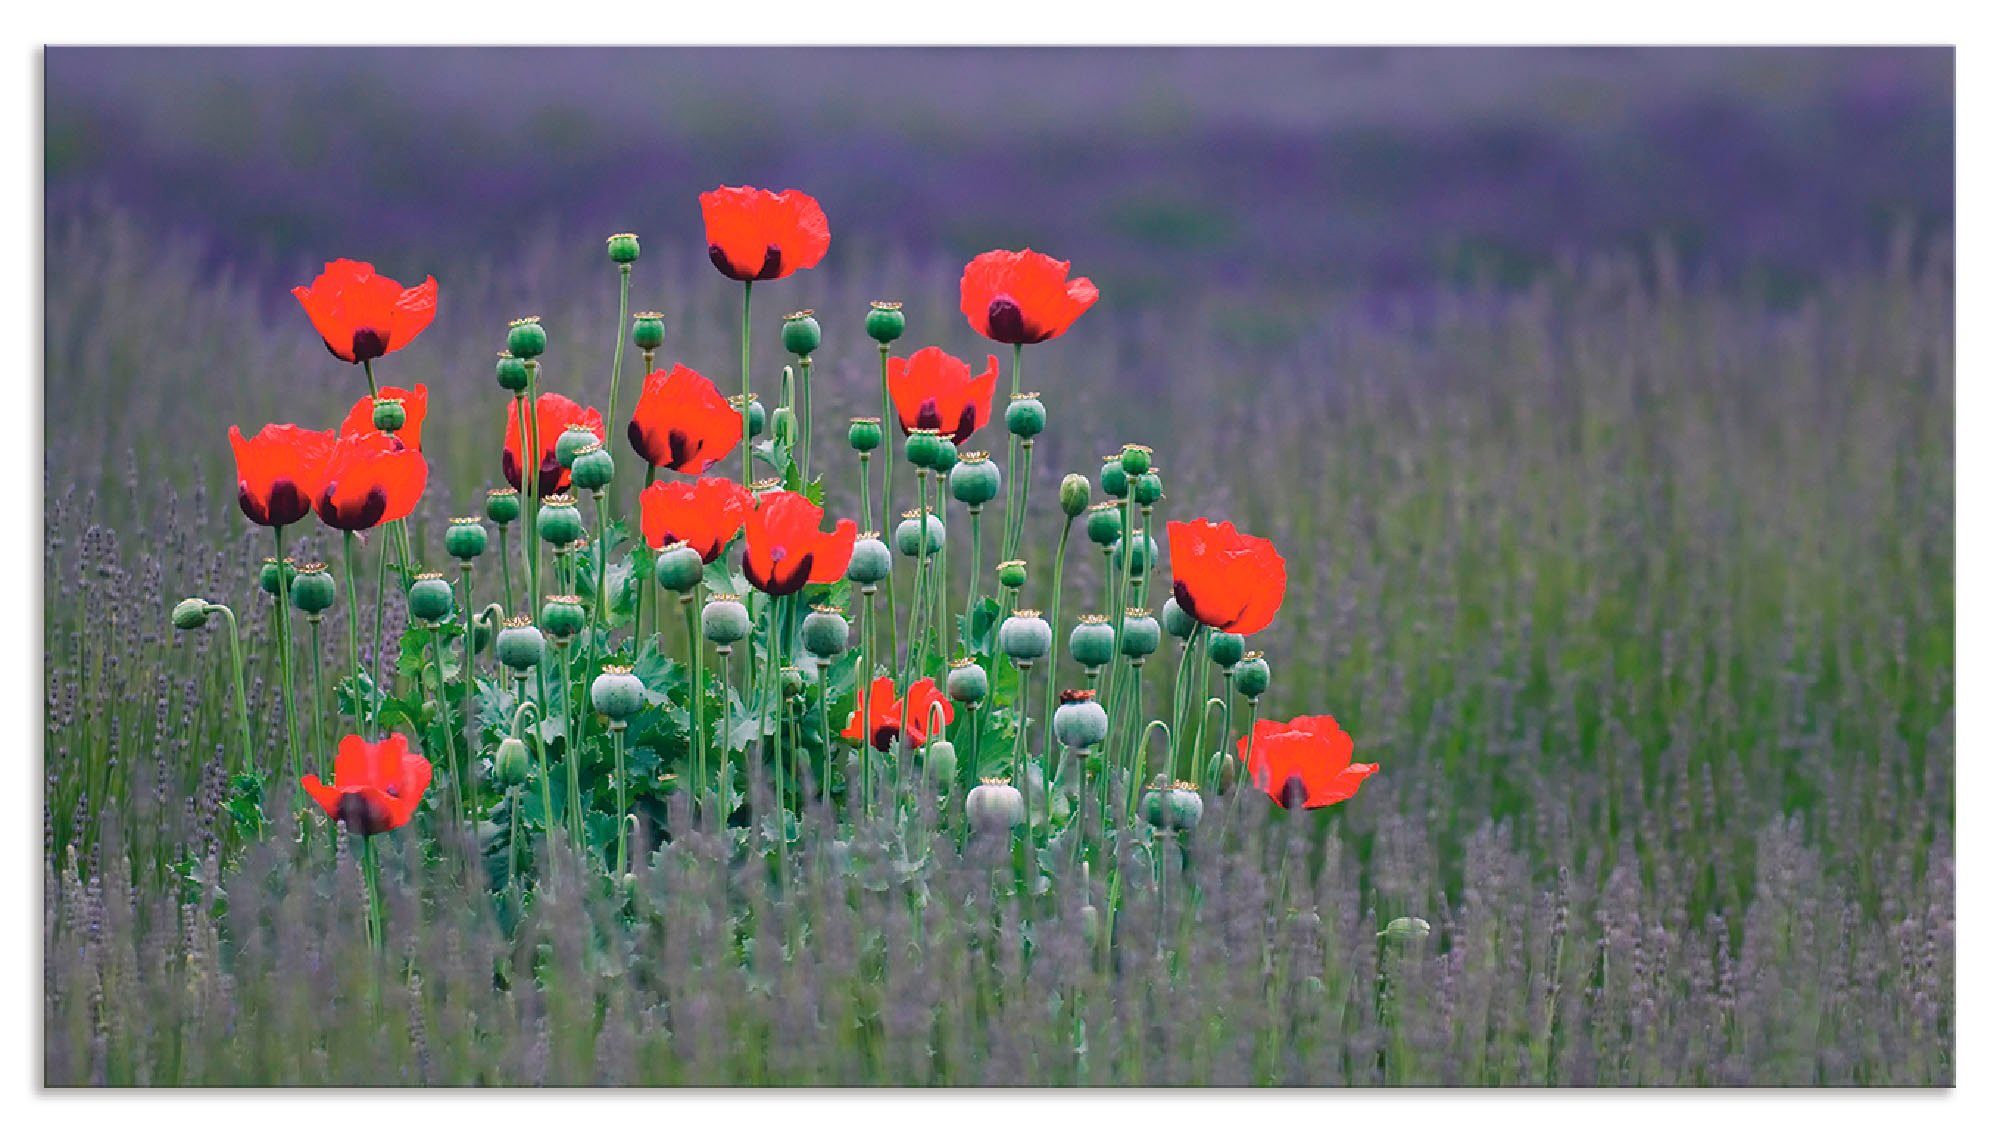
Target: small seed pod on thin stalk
(885,322)
(1103,524)
(754,412)
(1026,415)
(430,597)
(966,681)
(1024,636)
(649,330)
(1093,641)
(520,644)
(864,434)
(563,617)
(920,533)
(617,694)
(526,337)
(1142,634)
(503,505)
(679,568)
(824,631)
(465,537)
(1080,720)
(870,562)
(724,621)
(1073,495)
(313,591)
(1173,807)
(559,522)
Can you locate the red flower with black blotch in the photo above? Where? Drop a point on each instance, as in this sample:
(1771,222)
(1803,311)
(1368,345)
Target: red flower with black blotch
(705,514)
(756,234)
(932,389)
(885,713)
(683,422)
(362,315)
(1225,580)
(553,413)
(376,786)
(1023,297)
(1308,761)
(371,479)
(783,547)
(416,403)
(279,471)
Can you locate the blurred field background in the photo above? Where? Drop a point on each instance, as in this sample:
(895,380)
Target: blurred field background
(1601,400)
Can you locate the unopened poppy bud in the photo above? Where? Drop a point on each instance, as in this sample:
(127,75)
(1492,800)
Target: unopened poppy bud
(1225,649)
(871,561)
(1080,721)
(313,590)
(919,533)
(649,330)
(465,538)
(1093,641)
(520,644)
(975,479)
(1142,634)
(1252,676)
(1175,620)
(559,521)
(785,426)
(1406,929)
(724,621)
(190,614)
(563,616)
(995,805)
(503,505)
(1136,553)
(1112,478)
(269,578)
(1074,495)
(389,415)
(1135,459)
(510,762)
(801,335)
(864,434)
(792,681)
(593,468)
(511,372)
(824,632)
(752,411)
(1024,636)
(885,322)
(679,568)
(941,763)
(573,441)
(623,248)
(430,598)
(1026,416)
(966,681)
(1147,489)
(1104,526)
(617,694)
(526,338)
(1175,807)
(1229,770)
(1013,573)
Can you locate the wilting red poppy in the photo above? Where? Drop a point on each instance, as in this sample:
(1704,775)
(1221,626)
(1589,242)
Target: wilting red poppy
(416,402)
(1022,297)
(371,479)
(376,786)
(553,413)
(1308,761)
(783,547)
(932,389)
(885,713)
(705,514)
(683,422)
(362,315)
(1223,579)
(756,234)
(279,471)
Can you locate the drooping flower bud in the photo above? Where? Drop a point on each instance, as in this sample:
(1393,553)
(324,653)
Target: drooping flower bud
(559,522)
(864,434)
(1026,416)
(1024,636)
(1225,649)
(679,568)
(752,410)
(940,763)
(724,621)
(1080,721)
(1112,478)
(510,762)
(190,614)
(885,321)
(511,372)
(995,805)
(389,414)
(430,597)
(622,247)
(313,590)
(593,468)
(526,338)
(1074,495)
(1142,634)
(503,505)
(1013,573)
(965,681)
(617,694)
(1135,459)
(975,479)
(1104,525)
(574,440)
(919,533)
(1093,641)
(824,631)
(520,644)
(649,330)
(871,561)
(1252,676)
(465,538)
(785,426)
(563,617)
(801,336)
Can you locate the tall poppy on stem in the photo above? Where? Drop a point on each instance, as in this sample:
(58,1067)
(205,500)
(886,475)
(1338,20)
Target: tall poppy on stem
(705,514)
(934,390)
(376,786)
(755,234)
(784,548)
(683,422)
(416,405)
(1223,578)
(553,413)
(279,472)
(361,315)
(1308,761)
(886,715)
(1023,297)
(371,479)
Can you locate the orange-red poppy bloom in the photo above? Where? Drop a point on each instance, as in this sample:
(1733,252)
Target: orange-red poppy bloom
(362,315)
(932,389)
(1308,761)
(1022,297)
(683,422)
(553,413)
(705,514)
(371,479)
(376,786)
(886,715)
(756,234)
(1223,579)
(783,547)
(416,402)
(279,471)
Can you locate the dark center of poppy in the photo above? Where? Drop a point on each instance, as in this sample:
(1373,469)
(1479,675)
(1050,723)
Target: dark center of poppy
(369,344)
(680,450)
(927,414)
(362,814)
(1292,795)
(1005,323)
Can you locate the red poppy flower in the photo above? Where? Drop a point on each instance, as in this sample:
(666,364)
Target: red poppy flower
(279,471)
(376,786)
(932,389)
(362,315)
(783,547)
(371,479)
(553,413)
(1307,762)
(1022,297)
(1223,579)
(683,422)
(885,713)
(416,402)
(756,234)
(705,514)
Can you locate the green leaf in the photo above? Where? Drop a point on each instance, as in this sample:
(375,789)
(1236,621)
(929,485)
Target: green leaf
(976,627)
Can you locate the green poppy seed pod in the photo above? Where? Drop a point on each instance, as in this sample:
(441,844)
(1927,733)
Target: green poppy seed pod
(511,372)
(941,764)
(1142,634)
(871,561)
(885,322)
(1175,620)
(752,410)
(1135,459)
(824,632)
(919,533)
(785,426)
(801,336)
(465,538)
(724,621)
(617,694)
(572,442)
(1026,416)
(1225,649)
(313,590)
(268,576)
(593,468)
(792,681)
(430,598)
(864,434)
(1093,641)
(995,805)
(389,415)
(1406,929)
(1135,553)
(966,681)
(503,505)
(944,456)
(1024,636)
(1080,721)
(1112,478)
(679,568)
(975,479)
(649,330)
(563,616)
(920,447)
(526,338)
(623,248)
(1013,573)
(1074,495)
(1176,807)
(190,614)
(510,762)
(1104,526)
(520,644)
(559,521)
(1147,489)
(1252,676)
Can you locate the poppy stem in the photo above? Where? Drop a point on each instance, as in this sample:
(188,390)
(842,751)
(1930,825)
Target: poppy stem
(618,771)
(1249,745)
(236,668)
(1014,484)
(618,350)
(467,654)
(1178,738)
(941,584)
(381,587)
(531,484)
(603,552)
(864,683)
(506,571)
(368,368)
(972,586)
(319,690)
(1055,621)
(805,418)
(444,708)
(652,562)
(371,871)
(888,494)
(353,621)
(722,807)
(747,287)
(697,695)
(282,615)
(571,756)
